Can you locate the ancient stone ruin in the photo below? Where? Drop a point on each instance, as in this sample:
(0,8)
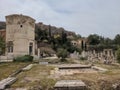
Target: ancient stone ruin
(106,56)
(70,85)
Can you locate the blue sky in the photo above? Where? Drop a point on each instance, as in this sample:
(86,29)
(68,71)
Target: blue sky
(81,16)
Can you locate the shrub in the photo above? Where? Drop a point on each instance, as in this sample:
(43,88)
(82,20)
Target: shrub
(62,53)
(83,58)
(25,58)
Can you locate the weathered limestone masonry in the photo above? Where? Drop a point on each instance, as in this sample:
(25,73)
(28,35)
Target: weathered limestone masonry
(107,56)
(20,35)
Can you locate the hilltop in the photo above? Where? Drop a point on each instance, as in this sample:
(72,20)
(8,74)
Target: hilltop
(42,26)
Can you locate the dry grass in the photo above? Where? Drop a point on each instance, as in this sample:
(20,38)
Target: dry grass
(7,69)
(39,75)
(97,81)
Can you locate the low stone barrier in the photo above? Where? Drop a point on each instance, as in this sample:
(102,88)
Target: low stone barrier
(11,79)
(16,73)
(7,82)
(28,67)
(6,59)
(99,69)
(50,58)
(43,63)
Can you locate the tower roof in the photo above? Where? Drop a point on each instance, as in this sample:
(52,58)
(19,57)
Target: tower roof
(20,15)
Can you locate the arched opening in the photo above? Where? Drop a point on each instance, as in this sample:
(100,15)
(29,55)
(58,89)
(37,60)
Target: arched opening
(30,48)
(10,47)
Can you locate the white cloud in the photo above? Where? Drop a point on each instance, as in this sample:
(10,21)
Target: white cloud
(82,16)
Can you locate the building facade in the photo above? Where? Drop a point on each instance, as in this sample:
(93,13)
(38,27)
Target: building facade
(20,35)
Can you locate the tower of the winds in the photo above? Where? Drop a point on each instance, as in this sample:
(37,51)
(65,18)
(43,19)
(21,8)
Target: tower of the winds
(20,35)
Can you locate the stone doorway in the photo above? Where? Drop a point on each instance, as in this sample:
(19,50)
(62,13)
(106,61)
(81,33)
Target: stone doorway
(31,48)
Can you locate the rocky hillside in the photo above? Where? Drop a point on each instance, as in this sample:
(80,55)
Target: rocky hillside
(54,29)
(41,26)
(2,25)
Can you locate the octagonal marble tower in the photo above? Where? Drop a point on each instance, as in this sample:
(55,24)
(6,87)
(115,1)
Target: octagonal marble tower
(20,35)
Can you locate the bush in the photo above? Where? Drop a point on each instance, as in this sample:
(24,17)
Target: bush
(118,55)
(83,58)
(25,58)
(62,53)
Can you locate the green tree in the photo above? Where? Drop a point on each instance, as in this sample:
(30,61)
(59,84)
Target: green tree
(78,36)
(78,50)
(2,46)
(41,35)
(108,41)
(117,39)
(63,37)
(93,39)
(118,55)
(99,43)
(62,53)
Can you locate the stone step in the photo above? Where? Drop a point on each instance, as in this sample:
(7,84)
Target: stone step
(70,85)
(74,66)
